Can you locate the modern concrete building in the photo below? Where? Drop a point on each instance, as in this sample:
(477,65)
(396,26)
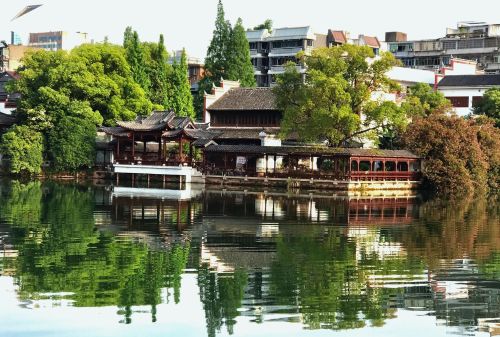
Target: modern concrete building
(270,51)
(11,56)
(57,40)
(476,41)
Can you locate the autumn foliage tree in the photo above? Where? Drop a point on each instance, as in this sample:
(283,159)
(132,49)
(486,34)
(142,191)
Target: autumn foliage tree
(460,156)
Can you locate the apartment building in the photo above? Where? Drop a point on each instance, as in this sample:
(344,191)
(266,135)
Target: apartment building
(270,51)
(57,40)
(476,41)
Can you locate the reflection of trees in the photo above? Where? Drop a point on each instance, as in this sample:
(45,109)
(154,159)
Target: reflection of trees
(321,275)
(61,252)
(221,295)
(454,229)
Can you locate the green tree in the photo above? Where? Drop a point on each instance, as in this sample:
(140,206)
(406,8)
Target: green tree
(268,24)
(334,103)
(135,55)
(159,72)
(24,149)
(92,82)
(71,144)
(217,59)
(422,100)
(182,99)
(241,67)
(490,105)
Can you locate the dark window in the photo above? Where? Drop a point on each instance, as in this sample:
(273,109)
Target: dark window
(364,166)
(459,101)
(390,166)
(354,166)
(403,166)
(476,100)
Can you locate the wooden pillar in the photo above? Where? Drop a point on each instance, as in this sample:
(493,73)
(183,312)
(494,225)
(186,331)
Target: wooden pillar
(117,179)
(267,162)
(160,152)
(274,168)
(148,180)
(191,153)
(180,149)
(133,146)
(133,179)
(117,149)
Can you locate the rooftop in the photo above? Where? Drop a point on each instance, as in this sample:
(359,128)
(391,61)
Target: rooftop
(470,81)
(246,99)
(306,150)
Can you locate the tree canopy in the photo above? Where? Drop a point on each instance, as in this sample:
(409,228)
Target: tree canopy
(92,82)
(228,57)
(460,155)
(268,24)
(181,100)
(24,148)
(338,100)
(490,105)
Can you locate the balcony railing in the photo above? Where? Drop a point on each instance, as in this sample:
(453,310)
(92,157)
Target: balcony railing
(281,69)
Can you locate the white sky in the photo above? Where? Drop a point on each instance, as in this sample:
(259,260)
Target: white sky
(189,23)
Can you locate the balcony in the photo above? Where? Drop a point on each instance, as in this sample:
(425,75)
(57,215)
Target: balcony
(281,69)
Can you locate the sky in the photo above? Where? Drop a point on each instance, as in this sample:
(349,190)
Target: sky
(189,23)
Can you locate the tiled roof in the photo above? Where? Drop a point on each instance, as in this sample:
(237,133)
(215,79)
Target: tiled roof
(338,36)
(7,120)
(318,150)
(116,131)
(246,99)
(156,121)
(469,81)
(256,35)
(242,133)
(371,41)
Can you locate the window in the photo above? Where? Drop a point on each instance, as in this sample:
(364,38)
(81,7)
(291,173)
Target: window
(476,100)
(415,166)
(403,166)
(459,101)
(390,166)
(377,166)
(354,165)
(253,45)
(364,166)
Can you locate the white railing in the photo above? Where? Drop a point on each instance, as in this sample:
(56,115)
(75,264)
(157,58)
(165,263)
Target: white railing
(281,69)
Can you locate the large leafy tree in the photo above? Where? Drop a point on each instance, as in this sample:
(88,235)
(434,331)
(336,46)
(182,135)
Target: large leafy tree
(159,72)
(71,144)
(336,103)
(460,155)
(92,82)
(228,57)
(241,67)
(24,148)
(182,99)
(490,105)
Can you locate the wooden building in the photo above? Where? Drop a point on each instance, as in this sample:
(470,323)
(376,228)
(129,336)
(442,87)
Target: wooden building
(319,162)
(158,140)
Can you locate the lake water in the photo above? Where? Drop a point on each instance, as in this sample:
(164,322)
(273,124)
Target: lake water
(98,261)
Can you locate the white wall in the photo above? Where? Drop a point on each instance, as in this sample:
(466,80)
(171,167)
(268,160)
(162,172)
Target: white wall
(460,92)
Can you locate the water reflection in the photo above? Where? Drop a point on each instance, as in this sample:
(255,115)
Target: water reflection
(315,261)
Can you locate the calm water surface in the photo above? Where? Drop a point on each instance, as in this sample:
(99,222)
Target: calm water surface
(97,261)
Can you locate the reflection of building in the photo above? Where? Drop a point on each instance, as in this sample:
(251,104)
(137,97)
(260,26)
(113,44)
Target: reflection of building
(57,40)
